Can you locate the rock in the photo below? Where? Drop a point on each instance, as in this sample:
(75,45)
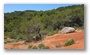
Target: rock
(66,30)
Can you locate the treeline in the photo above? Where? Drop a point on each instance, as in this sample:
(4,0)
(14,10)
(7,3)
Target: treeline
(30,23)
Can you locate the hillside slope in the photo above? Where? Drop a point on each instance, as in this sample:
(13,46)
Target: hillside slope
(29,23)
(53,40)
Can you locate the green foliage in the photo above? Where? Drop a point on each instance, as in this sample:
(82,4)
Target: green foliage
(46,47)
(8,40)
(42,46)
(34,47)
(30,46)
(38,37)
(13,35)
(17,39)
(29,37)
(48,32)
(30,23)
(69,42)
(52,32)
(5,42)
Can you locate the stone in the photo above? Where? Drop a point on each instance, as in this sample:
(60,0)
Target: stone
(66,30)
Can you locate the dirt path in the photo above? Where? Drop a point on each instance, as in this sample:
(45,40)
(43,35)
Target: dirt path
(52,41)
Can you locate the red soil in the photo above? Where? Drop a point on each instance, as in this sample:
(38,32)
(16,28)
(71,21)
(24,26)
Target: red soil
(52,41)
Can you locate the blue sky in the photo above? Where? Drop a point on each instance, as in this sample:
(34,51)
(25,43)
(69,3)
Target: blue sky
(38,7)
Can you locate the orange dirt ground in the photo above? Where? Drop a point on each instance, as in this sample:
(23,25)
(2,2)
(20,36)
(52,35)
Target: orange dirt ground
(54,40)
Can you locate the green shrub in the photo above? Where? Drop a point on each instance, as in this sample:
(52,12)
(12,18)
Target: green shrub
(5,42)
(34,47)
(8,40)
(30,46)
(38,37)
(17,39)
(44,32)
(29,37)
(42,46)
(48,32)
(52,32)
(69,42)
(14,34)
(46,47)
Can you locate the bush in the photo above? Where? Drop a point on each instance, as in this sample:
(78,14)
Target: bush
(52,32)
(46,47)
(44,32)
(13,35)
(9,40)
(34,47)
(48,32)
(29,37)
(42,46)
(38,37)
(17,39)
(30,46)
(69,42)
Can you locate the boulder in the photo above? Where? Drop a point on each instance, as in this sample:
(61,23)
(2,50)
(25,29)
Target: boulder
(66,30)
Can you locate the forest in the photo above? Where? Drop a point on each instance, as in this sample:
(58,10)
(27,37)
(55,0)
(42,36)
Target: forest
(32,25)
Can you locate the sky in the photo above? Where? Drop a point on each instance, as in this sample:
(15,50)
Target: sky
(37,7)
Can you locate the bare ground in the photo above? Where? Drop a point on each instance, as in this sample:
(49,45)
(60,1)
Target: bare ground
(54,40)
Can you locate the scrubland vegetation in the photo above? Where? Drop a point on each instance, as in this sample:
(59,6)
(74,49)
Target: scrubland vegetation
(32,25)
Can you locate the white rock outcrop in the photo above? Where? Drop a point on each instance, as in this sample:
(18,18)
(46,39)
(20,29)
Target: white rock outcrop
(66,30)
